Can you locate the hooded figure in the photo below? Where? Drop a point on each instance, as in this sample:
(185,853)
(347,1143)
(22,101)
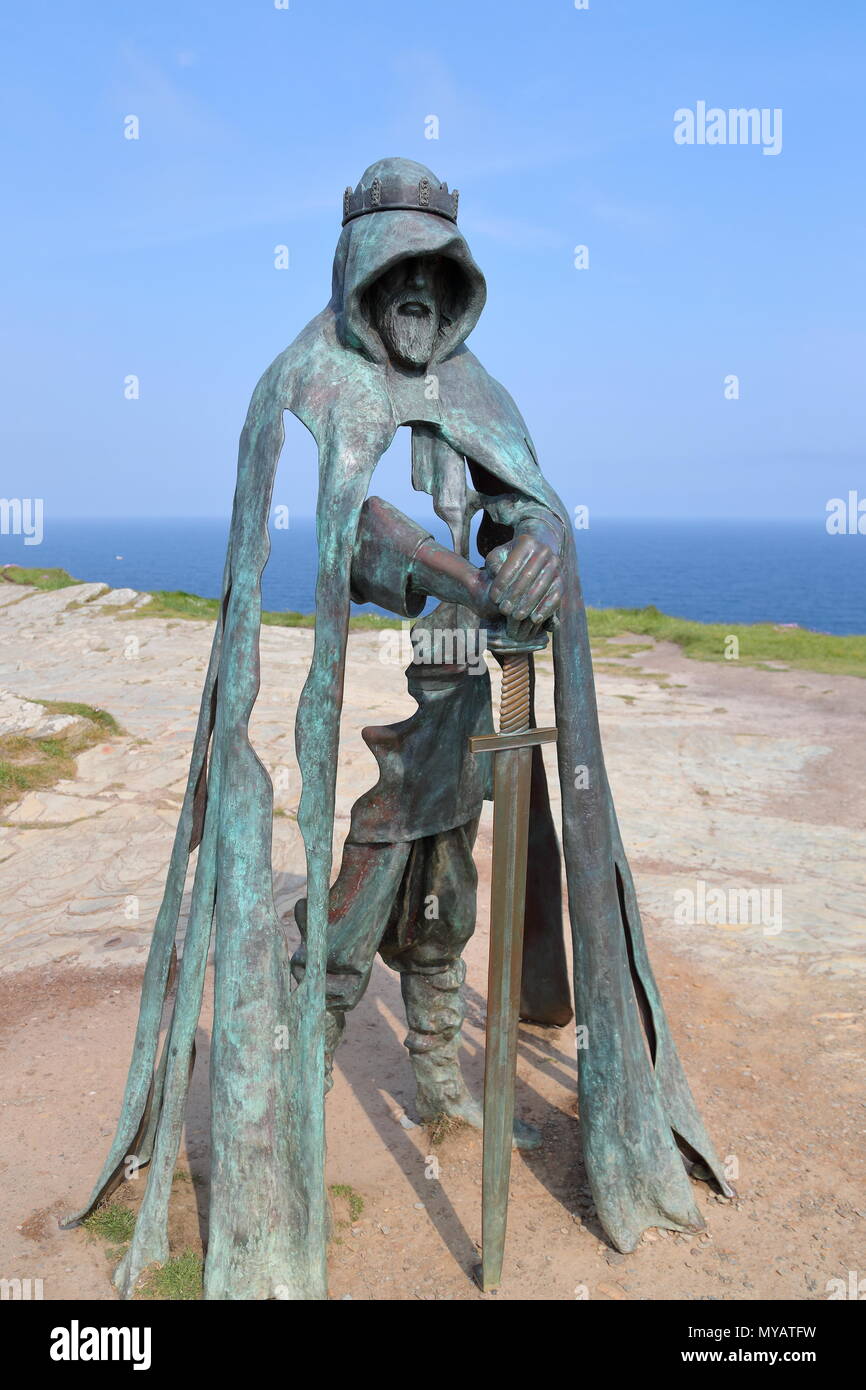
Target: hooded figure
(353,376)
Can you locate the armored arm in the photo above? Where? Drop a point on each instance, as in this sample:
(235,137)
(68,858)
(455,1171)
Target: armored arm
(398,565)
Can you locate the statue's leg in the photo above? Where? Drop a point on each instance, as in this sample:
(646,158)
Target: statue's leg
(435,1011)
(360,905)
(433,919)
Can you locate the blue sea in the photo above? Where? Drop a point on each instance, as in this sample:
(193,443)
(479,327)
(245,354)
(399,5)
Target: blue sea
(714,571)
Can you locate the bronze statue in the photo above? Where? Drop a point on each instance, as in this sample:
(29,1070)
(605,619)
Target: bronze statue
(389,350)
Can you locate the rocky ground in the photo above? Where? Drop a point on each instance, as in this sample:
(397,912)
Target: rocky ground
(740,796)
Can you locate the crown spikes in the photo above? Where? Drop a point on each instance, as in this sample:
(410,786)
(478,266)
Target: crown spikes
(393,194)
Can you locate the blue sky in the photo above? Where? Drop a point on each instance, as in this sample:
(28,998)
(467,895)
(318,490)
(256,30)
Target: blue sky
(156,256)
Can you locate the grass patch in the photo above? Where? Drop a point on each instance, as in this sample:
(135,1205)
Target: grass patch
(180,1278)
(443,1127)
(100,717)
(165,603)
(38,578)
(28,763)
(175,603)
(348,1200)
(113,1222)
(759,643)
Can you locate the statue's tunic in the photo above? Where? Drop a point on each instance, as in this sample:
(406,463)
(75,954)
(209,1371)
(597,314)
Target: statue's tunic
(411,835)
(428,780)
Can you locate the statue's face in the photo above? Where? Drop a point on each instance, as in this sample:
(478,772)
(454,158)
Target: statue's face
(407,309)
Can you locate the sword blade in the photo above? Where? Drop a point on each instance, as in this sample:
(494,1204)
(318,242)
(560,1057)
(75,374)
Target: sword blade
(512,776)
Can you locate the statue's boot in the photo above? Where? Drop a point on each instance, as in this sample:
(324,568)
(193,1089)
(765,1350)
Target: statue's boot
(435,1013)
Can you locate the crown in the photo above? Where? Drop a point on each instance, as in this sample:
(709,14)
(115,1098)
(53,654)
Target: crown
(390,195)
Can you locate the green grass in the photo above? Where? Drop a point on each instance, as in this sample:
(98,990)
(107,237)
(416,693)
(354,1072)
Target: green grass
(180,1278)
(759,643)
(354,1202)
(100,717)
(113,1222)
(39,578)
(175,603)
(27,763)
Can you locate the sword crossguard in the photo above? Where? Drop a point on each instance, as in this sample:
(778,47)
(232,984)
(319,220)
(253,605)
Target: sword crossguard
(498,743)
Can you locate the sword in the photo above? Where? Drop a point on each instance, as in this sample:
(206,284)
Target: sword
(512,776)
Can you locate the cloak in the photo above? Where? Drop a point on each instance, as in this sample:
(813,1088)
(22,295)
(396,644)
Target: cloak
(638,1122)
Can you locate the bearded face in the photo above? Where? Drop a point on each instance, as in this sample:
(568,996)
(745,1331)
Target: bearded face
(407,310)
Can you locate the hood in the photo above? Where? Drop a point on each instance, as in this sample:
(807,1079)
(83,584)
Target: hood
(372,244)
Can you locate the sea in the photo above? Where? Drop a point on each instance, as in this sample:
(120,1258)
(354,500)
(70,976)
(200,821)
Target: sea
(710,570)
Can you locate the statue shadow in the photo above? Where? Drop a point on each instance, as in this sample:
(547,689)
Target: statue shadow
(391,1074)
(557,1165)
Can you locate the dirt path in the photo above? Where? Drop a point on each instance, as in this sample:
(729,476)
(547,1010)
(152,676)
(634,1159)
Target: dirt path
(734,779)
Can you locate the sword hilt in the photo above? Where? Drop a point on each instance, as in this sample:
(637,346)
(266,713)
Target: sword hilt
(513,657)
(514,696)
(514,699)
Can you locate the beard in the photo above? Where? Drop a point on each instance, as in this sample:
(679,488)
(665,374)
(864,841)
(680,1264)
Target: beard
(408,324)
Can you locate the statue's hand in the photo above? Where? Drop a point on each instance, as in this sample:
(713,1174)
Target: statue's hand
(527,583)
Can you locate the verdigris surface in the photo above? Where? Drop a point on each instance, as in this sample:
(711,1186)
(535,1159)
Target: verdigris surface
(389,350)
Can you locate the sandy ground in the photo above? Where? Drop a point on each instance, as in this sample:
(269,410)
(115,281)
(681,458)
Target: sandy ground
(727,777)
